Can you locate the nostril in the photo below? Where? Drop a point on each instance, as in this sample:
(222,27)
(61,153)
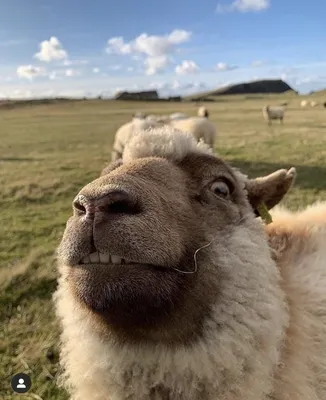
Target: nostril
(120,207)
(79,207)
(119,202)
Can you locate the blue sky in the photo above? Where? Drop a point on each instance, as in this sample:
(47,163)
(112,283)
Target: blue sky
(98,47)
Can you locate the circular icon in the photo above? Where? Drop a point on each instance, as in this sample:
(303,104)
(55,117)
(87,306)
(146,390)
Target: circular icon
(21,383)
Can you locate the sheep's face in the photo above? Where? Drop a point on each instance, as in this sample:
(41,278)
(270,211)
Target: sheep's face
(131,242)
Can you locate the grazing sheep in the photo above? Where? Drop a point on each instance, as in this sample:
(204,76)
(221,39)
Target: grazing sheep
(171,288)
(125,132)
(203,112)
(304,103)
(325,104)
(313,103)
(178,115)
(275,112)
(200,127)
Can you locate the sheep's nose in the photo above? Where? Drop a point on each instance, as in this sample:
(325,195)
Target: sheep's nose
(113,202)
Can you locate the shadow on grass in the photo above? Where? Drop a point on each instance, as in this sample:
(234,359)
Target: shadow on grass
(10,159)
(308,176)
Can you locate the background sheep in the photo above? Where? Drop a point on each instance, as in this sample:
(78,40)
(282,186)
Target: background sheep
(313,103)
(273,113)
(125,132)
(203,112)
(168,288)
(304,103)
(325,104)
(201,128)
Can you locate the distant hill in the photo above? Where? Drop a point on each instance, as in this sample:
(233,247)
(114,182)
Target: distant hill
(318,92)
(145,95)
(255,87)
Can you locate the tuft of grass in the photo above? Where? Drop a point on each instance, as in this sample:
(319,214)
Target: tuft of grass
(49,152)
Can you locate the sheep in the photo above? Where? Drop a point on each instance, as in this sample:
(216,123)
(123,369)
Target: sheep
(172,287)
(275,112)
(200,127)
(304,103)
(125,132)
(313,103)
(203,112)
(325,104)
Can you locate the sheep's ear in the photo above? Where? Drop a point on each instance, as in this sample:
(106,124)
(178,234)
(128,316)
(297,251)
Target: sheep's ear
(110,167)
(269,190)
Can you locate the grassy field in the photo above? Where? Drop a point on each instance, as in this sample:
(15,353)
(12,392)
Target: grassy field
(48,152)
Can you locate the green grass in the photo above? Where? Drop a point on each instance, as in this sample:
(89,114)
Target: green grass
(48,152)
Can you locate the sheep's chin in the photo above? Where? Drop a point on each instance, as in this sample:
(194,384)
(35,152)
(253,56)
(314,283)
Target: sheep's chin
(127,294)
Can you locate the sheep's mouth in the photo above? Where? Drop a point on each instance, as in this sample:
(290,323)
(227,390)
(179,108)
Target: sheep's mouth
(105,259)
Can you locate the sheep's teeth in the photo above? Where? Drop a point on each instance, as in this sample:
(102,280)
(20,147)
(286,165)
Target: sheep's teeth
(116,259)
(86,260)
(94,257)
(105,258)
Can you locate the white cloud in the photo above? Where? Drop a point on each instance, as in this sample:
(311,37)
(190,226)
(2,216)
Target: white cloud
(72,72)
(53,75)
(225,67)
(187,67)
(156,64)
(244,6)
(96,70)
(30,71)
(51,50)
(69,63)
(130,69)
(156,49)
(177,87)
(116,45)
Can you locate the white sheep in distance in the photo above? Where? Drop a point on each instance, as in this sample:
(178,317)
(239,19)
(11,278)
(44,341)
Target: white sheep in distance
(313,103)
(304,103)
(203,112)
(170,287)
(200,127)
(273,113)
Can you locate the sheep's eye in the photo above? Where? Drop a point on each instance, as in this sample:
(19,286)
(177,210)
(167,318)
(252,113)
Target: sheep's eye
(221,189)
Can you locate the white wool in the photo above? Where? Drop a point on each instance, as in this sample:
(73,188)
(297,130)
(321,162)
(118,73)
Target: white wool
(199,127)
(273,112)
(202,111)
(164,142)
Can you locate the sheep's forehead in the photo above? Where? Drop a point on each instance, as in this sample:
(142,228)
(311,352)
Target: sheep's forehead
(165,142)
(195,168)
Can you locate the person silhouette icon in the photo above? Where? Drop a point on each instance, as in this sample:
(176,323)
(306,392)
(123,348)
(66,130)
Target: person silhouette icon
(21,384)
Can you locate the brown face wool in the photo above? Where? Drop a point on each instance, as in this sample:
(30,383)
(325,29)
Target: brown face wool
(171,288)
